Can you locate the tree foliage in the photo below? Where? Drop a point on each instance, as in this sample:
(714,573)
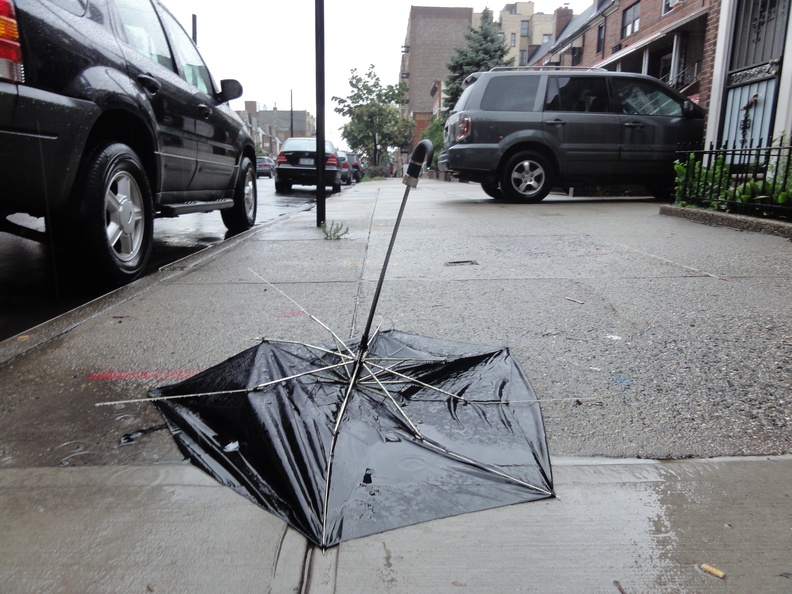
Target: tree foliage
(485,50)
(434,132)
(376,122)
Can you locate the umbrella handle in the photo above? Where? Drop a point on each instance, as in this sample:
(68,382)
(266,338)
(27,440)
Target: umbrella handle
(424,150)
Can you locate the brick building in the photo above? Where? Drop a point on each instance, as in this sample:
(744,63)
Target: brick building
(524,30)
(434,33)
(663,38)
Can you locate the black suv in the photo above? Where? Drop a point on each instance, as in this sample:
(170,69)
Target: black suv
(109,118)
(522,132)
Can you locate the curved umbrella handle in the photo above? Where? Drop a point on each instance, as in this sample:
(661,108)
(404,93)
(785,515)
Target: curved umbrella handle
(424,150)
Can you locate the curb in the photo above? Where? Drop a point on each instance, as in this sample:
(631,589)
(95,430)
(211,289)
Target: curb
(735,221)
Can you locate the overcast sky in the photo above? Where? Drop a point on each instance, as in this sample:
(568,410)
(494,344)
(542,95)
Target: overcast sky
(269,46)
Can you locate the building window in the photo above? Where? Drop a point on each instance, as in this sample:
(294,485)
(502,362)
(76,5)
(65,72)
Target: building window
(513,39)
(523,28)
(577,56)
(523,57)
(601,38)
(546,37)
(631,20)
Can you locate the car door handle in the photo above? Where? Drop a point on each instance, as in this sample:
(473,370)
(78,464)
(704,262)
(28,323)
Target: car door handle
(556,122)
(150,84)
(634,124)
(204,110)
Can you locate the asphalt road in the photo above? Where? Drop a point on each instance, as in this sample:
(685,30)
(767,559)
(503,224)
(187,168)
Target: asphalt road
(30,295)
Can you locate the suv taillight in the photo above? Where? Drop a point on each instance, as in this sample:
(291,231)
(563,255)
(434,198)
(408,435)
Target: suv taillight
(282,160)
(11,67)
(463,127)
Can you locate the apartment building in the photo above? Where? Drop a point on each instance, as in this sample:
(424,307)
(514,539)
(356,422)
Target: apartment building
(434,33)
(524,30)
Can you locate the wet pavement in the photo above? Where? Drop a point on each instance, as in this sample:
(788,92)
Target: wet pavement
(644,336)
(30,294)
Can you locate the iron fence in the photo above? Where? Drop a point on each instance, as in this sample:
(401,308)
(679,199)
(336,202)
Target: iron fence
(755,181)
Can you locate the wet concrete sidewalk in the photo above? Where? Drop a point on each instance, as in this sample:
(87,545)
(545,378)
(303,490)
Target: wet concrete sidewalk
(616,526)
(624,321)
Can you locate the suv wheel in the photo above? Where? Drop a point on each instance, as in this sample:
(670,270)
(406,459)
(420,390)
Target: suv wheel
(527,177)
(242,216)
(282,187)
(114,231)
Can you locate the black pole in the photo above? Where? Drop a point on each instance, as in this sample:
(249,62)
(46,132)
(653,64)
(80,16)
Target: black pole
(195,29)
(291,113)
(320,119)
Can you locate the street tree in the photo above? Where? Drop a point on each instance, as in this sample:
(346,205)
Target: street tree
(485,50)
(376,123)
(434,132)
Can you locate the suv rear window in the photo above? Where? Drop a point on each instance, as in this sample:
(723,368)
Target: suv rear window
(577,93)
(510,93)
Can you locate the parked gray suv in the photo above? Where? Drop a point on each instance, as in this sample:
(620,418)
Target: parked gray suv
(520,132)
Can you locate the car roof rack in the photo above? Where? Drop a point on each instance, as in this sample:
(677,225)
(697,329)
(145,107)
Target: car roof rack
(547,67)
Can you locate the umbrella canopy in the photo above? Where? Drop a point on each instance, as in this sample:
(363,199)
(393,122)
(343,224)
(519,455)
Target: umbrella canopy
(347,440)
(341,445)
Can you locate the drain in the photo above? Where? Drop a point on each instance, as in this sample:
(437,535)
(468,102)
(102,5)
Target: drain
(462,263)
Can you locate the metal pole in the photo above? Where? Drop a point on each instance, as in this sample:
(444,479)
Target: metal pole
(195,29)
(424,150)
(320,119)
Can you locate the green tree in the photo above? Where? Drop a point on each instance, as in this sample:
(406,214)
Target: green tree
(376,123)
(485,50)
(434,132)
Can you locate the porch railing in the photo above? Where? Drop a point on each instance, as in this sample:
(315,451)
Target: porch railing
(755,181)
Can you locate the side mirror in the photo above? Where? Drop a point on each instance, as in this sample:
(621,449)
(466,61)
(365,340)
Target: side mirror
(229,89)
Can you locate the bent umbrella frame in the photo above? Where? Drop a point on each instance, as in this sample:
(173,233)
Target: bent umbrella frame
(352,438)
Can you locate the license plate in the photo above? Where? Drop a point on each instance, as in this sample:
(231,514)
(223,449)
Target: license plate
(305,161)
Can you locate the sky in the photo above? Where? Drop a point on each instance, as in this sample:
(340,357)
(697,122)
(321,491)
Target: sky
(270,45)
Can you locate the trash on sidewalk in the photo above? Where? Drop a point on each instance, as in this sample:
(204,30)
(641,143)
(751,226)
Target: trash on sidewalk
(353,438)
(713,570)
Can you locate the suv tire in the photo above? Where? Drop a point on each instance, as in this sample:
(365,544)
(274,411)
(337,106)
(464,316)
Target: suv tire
(242,216)
(492,190)
(527,177)
(114,231)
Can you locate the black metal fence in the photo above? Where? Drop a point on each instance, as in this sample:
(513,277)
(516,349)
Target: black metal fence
(754,181)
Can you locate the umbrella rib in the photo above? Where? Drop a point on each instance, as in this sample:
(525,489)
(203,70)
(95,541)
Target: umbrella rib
(472,462)
(446,451)
(224,392)
(306,312)
(396,404)
(391,369)
(333,441)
